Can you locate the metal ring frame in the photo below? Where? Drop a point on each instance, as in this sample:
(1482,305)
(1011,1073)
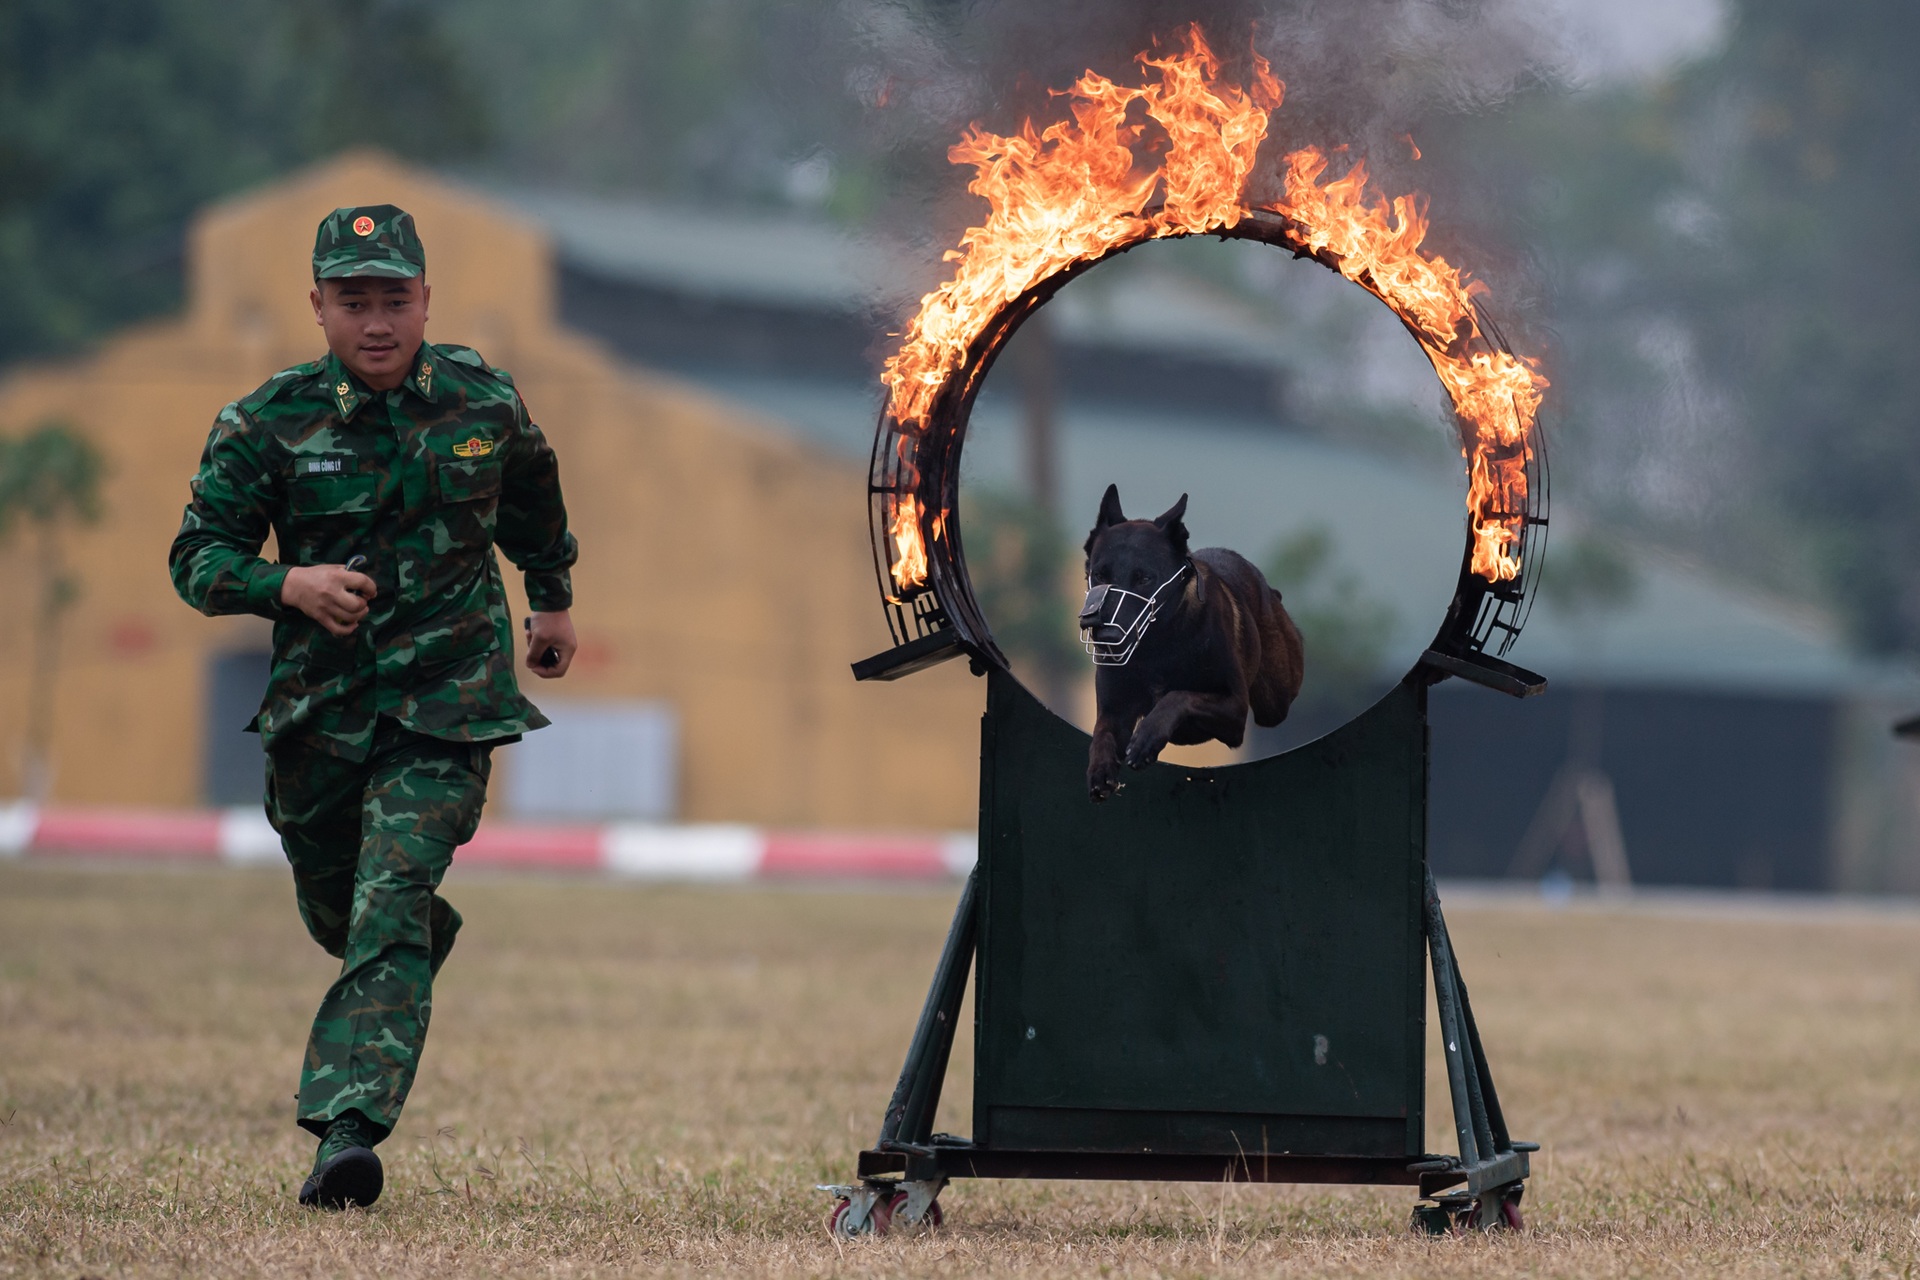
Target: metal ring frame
(1483,618)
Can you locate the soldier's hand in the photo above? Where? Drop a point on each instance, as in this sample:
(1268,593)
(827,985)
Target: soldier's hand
(550,630)
(332,595)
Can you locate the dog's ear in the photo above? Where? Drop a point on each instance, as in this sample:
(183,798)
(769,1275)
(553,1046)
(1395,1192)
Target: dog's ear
(1110,514)
(1174,527)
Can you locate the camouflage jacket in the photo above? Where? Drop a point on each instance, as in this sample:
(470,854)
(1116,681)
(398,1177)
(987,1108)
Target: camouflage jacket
(424,481)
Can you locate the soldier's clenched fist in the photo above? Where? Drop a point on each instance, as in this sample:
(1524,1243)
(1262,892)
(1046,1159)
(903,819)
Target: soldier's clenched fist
(332,595)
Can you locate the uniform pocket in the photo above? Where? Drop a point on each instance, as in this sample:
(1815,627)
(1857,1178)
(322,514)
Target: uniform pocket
(469,480)
(301,641)
(460,635)
(330,495)
(469,491)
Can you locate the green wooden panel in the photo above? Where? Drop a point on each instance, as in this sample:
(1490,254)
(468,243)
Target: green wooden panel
(1214,958)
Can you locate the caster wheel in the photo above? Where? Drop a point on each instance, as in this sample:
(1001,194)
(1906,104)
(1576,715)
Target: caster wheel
(1454,1214)
(897,1204)
(1497,1210)
(875,1224)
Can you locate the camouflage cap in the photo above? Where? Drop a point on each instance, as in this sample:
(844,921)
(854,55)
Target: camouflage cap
(370,240)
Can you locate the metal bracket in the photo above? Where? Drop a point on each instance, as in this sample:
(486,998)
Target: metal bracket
(920,1198)
(1492,673)
(915,655)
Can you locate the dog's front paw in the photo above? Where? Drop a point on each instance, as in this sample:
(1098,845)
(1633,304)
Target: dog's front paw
(1145,748)
(1103,780)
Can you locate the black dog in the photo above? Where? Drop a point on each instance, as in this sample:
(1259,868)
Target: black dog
(1184,642)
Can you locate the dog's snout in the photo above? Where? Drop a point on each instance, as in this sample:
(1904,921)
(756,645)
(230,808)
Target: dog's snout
(1090,611)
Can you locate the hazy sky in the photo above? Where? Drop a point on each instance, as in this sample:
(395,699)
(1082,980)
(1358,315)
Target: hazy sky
(1628,39)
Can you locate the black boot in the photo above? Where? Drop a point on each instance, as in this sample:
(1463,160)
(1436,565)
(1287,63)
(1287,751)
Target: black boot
(345,1170)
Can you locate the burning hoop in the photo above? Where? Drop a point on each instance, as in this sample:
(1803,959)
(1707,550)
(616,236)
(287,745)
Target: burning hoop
(1066,198)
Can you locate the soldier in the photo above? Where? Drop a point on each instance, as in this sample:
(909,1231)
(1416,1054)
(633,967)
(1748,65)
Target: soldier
(388,472)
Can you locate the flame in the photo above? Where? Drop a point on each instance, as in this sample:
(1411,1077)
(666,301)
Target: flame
(909,550)
(1076,190)
(1067,194)
(1495,393)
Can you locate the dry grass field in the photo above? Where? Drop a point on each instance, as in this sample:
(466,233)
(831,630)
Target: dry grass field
(652,1080)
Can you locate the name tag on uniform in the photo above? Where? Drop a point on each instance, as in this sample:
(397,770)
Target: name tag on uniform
(320,466)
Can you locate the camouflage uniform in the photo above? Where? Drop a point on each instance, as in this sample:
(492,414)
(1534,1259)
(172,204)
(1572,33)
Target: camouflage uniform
(378,743)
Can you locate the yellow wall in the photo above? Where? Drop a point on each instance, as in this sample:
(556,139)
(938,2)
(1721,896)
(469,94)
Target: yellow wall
(724,564)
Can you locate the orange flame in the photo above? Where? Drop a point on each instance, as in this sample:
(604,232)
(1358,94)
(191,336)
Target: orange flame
(1076,191)
(909,550)
(1495,393)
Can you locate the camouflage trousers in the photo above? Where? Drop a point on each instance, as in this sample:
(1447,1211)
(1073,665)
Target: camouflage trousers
(369,841)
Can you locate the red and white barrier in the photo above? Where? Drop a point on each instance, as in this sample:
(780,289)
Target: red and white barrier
(713,852)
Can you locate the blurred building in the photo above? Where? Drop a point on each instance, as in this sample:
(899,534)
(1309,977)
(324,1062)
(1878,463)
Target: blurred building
(724,586)
(708,377)
(1745,744)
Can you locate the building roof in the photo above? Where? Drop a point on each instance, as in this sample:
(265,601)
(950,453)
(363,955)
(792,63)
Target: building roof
(1398,525)
(733,255)
(798,262)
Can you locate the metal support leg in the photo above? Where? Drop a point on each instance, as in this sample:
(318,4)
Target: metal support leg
(1494,1166)
(1447,997)
(1472,1068)
(1489,1100)
(916,1097)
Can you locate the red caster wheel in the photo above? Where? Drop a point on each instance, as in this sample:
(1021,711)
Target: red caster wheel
(871,1209)
(844,1224)
(1497,1210)
(897,1205)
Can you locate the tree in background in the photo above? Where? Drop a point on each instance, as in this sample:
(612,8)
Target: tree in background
(740,100)
(1588,578)
(1344,631)
(1820,293)
(1726,257)
(1021,565)
(50,481)
(125,116)
(1736,281)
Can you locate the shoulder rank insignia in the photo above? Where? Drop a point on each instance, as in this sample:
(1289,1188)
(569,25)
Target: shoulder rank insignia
(473,447)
